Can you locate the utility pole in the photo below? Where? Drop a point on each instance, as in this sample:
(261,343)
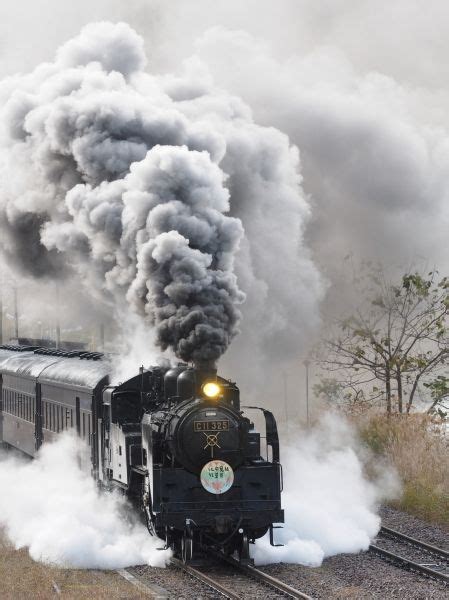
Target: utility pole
(16,314)
(306,364)
(284,376)
(58,325)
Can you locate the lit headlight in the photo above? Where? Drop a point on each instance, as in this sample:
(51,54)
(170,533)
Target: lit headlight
(211,389)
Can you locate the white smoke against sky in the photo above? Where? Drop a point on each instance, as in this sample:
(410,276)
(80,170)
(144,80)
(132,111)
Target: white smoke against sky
(138,349)
(330,504)
(53,508)
(374,149)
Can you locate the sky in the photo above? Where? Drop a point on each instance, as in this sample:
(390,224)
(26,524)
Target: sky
(359,89)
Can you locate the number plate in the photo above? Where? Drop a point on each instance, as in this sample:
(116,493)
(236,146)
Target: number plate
(221,425)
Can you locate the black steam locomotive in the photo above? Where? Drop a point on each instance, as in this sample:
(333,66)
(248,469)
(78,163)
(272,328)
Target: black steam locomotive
(175,441)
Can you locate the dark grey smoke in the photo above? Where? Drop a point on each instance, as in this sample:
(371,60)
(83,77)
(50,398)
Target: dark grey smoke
(124,181)
(112,188)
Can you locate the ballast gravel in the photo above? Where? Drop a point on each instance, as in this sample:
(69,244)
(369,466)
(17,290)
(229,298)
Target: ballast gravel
(414,527)
(360,576)
(346,576)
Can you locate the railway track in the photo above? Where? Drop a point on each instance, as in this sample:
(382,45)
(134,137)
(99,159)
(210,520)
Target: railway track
(227,577)
(412,554)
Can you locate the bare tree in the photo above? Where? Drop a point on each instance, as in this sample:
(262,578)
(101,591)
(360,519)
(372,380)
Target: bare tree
(395,340)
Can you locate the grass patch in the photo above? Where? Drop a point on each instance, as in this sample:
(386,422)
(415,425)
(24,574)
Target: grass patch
(418,449)
(21,578)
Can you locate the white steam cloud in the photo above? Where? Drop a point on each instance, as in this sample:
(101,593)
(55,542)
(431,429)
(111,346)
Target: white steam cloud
(330,504)
(54,509)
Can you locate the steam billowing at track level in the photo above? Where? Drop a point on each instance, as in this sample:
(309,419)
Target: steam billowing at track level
(182,449)
(139,185)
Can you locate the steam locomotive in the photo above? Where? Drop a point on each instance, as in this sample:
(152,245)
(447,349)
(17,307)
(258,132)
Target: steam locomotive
(174,440)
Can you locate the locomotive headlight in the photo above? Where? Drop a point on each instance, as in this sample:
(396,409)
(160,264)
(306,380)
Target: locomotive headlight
(211,389)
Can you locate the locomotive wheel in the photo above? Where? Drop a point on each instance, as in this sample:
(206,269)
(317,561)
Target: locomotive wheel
(186,548)
(244,547)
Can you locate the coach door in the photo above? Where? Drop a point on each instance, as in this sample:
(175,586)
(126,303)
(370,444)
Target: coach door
(38,433)
(78,416)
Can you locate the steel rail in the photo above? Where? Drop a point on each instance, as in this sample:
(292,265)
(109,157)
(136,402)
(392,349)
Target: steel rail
(155,591)
(211,583)
(393,533)
(411,565)
(272,582)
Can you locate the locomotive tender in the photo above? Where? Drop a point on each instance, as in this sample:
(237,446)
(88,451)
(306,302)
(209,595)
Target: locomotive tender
(174,440)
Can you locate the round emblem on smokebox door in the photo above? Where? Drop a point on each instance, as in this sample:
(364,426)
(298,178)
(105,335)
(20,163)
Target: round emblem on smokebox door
(217,476)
